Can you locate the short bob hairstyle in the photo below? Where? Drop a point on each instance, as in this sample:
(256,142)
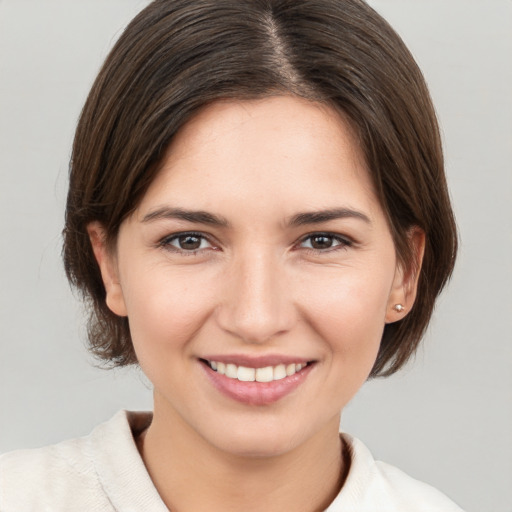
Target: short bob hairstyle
(177,56)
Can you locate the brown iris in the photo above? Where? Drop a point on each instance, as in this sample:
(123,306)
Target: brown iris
(321,241)
(189,242)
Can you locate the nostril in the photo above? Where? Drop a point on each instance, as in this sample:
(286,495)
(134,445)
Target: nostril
(257,324)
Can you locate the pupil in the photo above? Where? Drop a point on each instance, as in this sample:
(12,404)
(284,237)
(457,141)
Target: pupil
(321,242)
(189,242)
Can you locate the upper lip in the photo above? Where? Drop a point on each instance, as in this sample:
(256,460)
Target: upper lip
(256,361)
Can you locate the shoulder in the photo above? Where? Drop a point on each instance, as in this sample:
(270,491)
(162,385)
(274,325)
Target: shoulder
(66,476)
(373,485)
(409,493)
(56,476)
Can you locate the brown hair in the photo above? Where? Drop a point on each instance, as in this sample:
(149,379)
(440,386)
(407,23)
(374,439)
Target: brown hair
(177,56)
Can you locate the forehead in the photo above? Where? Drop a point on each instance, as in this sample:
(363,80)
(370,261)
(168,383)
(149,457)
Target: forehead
(270,153)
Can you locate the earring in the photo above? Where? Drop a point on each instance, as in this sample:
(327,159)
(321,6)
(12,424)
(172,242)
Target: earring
(399,308)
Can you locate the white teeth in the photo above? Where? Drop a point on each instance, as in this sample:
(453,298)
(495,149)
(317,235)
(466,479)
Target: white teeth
(279,372)
(246,374)
(290,369)
(266,374)
(231,371)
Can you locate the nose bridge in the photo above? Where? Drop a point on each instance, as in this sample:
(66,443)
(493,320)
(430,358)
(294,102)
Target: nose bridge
(257,304)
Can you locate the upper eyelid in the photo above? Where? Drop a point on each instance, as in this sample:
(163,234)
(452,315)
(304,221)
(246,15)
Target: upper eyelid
(173,236)
(343,238)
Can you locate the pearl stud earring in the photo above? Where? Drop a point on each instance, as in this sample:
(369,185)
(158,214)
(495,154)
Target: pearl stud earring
(399,308)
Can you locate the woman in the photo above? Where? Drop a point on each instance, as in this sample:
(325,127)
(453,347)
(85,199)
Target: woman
(258,217)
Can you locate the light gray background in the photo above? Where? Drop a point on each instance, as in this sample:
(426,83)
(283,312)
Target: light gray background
(446,419)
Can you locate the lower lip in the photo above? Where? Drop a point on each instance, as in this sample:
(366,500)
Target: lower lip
(256,393)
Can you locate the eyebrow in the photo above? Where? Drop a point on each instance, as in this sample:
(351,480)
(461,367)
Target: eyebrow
(318,217)
(300,219)
(196,216)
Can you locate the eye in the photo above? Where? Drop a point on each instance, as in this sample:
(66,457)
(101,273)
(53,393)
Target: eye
(324,241)
(186,242)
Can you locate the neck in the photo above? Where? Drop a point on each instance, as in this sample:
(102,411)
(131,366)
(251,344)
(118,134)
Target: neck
(191,475)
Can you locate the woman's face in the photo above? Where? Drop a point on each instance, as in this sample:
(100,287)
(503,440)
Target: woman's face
(259,246)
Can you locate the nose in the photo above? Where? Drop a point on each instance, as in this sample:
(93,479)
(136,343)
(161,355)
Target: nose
(257,305)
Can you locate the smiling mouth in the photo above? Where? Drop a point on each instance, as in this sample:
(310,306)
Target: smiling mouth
(264,374)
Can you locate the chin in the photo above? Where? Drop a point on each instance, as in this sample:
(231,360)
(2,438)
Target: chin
(257,445)
(257,436)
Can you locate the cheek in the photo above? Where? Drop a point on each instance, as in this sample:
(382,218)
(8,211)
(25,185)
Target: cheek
(165,309)
(349,319)
(348,309)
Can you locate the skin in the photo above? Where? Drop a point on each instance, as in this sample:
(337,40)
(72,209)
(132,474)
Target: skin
(255,287)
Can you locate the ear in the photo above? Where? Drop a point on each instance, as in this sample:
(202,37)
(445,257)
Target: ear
(108,267)
(405,283)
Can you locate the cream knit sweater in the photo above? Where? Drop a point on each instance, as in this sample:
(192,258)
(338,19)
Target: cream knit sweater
(104,472)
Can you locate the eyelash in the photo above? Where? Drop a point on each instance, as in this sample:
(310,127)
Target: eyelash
(343,242)
(166,242)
